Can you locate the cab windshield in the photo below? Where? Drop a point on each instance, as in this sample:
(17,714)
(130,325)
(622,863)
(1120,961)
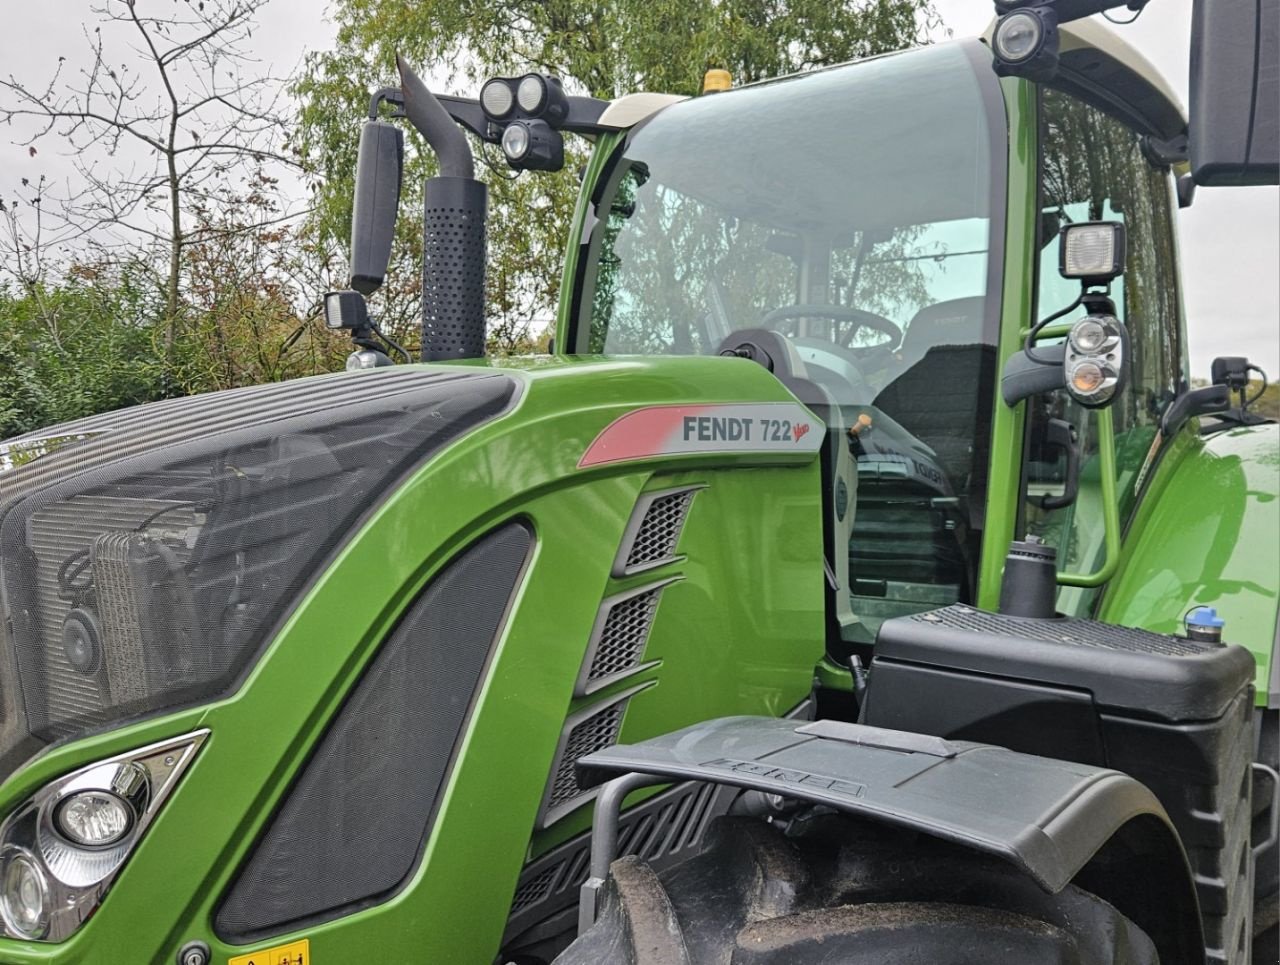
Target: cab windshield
(857,213)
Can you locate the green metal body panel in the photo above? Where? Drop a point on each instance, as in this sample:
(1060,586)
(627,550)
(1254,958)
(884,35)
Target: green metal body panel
(750,654)
(1022,226)
(1205,534)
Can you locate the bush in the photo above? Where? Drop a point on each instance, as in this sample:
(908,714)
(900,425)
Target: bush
(69,351)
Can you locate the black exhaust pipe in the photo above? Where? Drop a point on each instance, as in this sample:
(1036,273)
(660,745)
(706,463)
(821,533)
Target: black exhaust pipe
(453,232)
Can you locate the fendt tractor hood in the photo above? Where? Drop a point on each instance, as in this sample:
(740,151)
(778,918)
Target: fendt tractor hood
(147,555)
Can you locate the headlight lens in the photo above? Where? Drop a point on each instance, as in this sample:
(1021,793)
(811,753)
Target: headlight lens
(94,819)
(515,142)
(1087,378)
(1018,36)
(1088,335)
(531,93)
(496,98)
(24,895)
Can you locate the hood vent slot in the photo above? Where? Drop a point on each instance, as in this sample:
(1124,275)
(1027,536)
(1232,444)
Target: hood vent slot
(619,637)
(588,730)
(654,530)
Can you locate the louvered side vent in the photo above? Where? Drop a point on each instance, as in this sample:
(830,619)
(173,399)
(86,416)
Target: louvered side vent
(619,637)
(663,830)
(586,731)
(654,530)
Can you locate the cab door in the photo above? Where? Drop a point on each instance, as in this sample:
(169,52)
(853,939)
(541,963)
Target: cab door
(1094,168)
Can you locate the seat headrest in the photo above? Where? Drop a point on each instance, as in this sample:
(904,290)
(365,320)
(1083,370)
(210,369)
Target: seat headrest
(954,322)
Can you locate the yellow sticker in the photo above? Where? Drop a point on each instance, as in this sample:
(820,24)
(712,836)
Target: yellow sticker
(295,953)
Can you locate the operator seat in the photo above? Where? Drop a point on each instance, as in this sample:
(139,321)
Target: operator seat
(909,553)
(934,397)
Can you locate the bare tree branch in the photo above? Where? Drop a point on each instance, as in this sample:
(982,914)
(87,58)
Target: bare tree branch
(188,101)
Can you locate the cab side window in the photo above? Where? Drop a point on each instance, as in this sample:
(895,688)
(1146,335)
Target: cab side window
(1094,168)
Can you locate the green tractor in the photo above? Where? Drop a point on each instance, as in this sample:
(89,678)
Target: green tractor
(859,580)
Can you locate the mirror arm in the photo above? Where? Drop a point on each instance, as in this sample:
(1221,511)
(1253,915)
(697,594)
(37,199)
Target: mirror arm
(1024,377)
(1203,401)
(386,95)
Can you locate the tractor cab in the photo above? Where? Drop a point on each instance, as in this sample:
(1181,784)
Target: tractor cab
(849,229)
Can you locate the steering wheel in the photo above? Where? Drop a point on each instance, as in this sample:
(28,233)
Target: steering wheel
(840,313)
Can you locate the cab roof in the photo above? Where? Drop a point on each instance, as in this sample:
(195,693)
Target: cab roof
(1096,65)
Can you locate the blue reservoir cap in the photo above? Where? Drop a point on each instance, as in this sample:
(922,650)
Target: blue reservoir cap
(1205,616)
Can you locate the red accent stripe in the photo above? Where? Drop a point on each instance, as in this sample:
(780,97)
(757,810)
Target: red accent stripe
(637,434)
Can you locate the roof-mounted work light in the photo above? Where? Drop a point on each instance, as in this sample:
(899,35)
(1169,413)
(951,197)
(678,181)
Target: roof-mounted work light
(527,113)
(542,96)
(531,96)
(497,98)
(1025,43)
(533,145)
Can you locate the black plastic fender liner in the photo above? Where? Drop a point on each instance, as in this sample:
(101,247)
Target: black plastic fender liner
(1048,818)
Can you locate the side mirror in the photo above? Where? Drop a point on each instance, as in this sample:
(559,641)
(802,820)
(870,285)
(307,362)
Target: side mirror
(377,199)
(1056,443)
(1235,85)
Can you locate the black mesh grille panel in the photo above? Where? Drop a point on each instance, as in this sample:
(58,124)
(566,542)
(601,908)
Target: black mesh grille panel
(625,631)
(453,261)
(619,638)
(143,565)
(353,826)
(589,730)
(666,828)
(1084,633)
(654,540)
(597,731)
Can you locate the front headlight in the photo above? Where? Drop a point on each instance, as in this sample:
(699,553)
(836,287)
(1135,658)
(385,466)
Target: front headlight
(61,849)
(93,819)
(24,894)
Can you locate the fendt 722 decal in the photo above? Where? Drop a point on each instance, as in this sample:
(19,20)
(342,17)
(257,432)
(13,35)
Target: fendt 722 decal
(667,430)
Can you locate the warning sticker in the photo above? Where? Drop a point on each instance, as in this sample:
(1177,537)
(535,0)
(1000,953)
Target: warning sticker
(666,430)
(295,953)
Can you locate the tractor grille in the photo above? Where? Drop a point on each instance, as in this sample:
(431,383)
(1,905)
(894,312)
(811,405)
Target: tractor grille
(619,638)
(654,530)
(144,564)
(587,731)
(664,829)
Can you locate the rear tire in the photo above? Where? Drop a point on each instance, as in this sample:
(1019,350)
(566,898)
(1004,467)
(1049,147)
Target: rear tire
(840,892)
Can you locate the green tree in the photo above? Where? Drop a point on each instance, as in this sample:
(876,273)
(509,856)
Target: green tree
(605,50)
(78,348)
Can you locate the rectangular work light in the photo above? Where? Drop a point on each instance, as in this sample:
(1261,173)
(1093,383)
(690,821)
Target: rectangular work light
(1092,251)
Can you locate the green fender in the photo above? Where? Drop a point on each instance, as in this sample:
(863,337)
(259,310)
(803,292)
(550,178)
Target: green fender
(1207,533)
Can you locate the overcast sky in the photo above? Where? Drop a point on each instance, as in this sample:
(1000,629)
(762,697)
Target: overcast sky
(1230,237)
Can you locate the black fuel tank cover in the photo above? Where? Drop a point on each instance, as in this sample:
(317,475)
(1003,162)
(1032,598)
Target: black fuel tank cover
(1143,674)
